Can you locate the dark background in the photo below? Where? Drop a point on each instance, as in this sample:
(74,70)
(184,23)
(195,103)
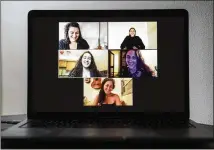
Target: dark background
(48,93)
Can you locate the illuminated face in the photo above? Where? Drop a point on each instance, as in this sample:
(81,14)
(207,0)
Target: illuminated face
(108,87)
(73,34)
(131,59)
(132,32)
(86,60)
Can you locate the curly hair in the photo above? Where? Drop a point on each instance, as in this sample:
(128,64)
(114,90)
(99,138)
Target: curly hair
(67,26)
(102,94)
(140,63)
(77,71)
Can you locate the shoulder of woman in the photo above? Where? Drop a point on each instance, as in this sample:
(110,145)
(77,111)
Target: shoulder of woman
(62,41)
(96,97)
(127,37)
(99,74)
(138,38)
(83,43)
(82,40)
(144,73)
(115,95)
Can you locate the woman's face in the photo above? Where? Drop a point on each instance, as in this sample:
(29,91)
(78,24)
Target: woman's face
(132,32)
(131,59)
(86,60)
(73,34)
(108,87)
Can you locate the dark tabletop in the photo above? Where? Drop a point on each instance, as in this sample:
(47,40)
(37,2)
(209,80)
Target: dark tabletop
(10,120)
(6,120)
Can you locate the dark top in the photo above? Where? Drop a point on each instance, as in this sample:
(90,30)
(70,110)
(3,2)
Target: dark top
(129,42)
(81,44)
(92,74)
(108,105)
(144,74)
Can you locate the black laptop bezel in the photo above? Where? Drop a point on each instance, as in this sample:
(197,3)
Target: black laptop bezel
(31,114)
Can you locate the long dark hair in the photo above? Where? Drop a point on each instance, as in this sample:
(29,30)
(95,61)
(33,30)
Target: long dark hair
(130,30)
(102,94)
(77,71)
(140,63)
(67,26)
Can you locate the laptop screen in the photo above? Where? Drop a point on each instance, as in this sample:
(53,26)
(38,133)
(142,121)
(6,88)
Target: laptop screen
(107,64)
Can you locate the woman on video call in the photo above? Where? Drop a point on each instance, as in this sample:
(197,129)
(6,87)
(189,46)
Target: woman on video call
(132,41)
(105,95)
(85,67)
(73,38)
(136,66)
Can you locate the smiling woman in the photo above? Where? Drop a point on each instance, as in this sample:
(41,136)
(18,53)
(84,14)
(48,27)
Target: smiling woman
(82,63)
(136,66)
(85,67)
(132,41)
(106,96)
(108,92)
(73,38)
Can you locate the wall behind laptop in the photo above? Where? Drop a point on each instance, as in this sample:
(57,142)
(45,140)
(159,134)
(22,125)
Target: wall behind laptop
(13,54)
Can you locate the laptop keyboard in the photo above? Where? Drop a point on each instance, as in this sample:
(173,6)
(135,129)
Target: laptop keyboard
(105,123)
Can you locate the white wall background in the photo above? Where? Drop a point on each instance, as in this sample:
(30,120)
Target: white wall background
(152,35)
(14,49)
(117,31)
(150,58)
(89,31)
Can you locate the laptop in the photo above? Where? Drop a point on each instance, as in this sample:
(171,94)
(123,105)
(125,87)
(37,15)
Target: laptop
(107,76)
